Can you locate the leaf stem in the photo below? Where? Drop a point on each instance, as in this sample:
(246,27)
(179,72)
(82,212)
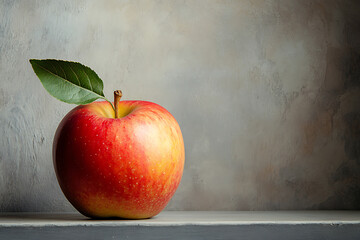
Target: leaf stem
(110,103)
(117,97)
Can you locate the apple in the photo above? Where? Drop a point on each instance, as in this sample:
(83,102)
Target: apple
(125,164)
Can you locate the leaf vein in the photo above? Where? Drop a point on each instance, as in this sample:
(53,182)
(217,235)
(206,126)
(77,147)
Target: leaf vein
(88,80)
(75,75)
(65,77)
(54,68)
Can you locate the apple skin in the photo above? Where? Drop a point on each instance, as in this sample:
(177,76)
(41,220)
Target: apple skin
(128,167)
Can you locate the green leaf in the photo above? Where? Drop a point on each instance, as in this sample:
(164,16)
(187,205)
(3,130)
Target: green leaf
(70,82)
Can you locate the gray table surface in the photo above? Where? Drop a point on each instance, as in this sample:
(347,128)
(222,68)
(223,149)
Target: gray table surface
(186,225)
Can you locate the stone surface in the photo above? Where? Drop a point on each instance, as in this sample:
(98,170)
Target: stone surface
(267,94)
(180,218)
(186,225)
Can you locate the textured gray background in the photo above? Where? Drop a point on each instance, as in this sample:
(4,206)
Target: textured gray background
(267,94)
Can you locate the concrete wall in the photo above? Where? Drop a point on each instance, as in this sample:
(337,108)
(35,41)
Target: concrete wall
(267,94)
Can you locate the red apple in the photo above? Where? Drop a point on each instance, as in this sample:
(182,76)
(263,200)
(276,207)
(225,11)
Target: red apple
(126,167)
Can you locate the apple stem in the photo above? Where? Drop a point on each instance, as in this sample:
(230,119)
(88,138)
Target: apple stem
(117,97)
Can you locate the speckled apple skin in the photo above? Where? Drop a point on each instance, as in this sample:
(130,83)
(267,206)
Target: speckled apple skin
(128,167)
